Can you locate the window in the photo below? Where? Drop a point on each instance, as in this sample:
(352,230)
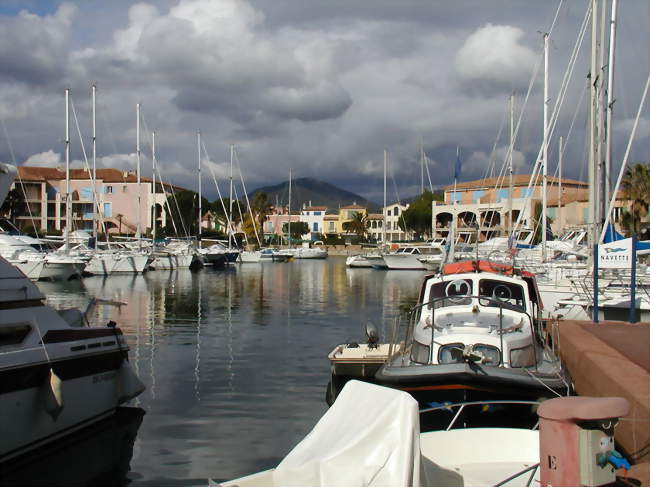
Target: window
(14,334)
(108,189)
(315,227)
(419,353)
(456,197)
(526,192)
(388,213)
(396,211)
(511,295)
(476,196)
(388,226)
(317,213)
(124,188)
(86,193)
(451,353)
(502,194)
(455,292)
(108,210)
(331,226)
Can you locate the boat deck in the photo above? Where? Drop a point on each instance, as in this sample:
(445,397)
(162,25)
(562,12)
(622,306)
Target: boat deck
(613,359)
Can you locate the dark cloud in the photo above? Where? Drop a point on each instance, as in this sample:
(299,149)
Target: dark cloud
(319,87)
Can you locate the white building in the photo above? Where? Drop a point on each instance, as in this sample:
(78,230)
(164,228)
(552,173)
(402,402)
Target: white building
(393,214)
(314,217)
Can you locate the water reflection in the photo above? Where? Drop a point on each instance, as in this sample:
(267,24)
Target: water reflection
(235,360)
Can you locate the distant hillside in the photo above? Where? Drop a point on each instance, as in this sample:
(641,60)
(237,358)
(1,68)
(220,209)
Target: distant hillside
(312,191)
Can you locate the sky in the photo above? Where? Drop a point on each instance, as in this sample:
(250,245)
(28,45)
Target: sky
(318,87)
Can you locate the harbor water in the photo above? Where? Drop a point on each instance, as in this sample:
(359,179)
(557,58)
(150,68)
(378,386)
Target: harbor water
(234,361)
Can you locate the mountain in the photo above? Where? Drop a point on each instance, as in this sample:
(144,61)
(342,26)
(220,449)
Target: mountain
(312,191)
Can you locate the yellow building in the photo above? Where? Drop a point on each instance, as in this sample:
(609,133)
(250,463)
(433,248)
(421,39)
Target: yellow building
(347,214)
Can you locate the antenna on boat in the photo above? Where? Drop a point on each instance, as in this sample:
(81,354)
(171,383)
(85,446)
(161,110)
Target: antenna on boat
(372,334)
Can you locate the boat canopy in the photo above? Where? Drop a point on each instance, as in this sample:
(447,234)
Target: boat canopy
(370,435)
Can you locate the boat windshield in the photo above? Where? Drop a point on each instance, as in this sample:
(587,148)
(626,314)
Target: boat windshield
(457,292)
(511,295)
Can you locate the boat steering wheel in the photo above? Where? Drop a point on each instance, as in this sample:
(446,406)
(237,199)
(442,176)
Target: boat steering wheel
(502,293)
(457,290)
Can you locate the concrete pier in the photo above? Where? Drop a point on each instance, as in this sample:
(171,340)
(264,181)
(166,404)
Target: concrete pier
(613,359)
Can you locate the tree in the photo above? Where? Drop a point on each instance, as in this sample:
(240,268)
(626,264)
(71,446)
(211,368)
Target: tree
(14,205)
(417,217)
(636,187)
(182,213)
(298,229)
(262,208)
(358,225)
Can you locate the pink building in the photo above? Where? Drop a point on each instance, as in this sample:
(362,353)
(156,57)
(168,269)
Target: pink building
(117,193)
(277,219)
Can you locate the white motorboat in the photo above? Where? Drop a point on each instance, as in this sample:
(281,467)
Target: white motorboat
(250,256)
(474,335)
(363,260)
(371,436)
(56,374)
(413,257)
(310,253)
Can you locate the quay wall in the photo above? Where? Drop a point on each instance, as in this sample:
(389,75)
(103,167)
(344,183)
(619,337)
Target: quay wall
(613,359)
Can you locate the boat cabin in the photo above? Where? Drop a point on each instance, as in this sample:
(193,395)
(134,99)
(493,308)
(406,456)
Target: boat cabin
(480,312)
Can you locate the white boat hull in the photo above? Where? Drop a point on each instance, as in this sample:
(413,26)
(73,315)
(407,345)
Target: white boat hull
(172,261)
(104,265)
(26,423)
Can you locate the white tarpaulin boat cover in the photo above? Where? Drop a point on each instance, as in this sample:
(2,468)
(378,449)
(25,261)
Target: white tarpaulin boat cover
(370,437)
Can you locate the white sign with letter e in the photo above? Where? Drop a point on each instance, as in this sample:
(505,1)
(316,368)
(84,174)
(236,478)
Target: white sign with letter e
(615,255)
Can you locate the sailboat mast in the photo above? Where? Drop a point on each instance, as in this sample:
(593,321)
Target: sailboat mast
(602,176)
(230,230)
(68,213)
(545,148)
(289,224)
(610,103)
(94,95)
(384,223)
(153,159)
(512,149)
(421,166)
(560,224)
(198,151)
(137,153)
(593,161)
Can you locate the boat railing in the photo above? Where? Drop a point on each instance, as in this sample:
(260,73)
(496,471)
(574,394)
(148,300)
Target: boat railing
(414,315)
(463,405)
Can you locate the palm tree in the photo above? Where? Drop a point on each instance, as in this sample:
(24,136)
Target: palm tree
(358,225)
(636,187)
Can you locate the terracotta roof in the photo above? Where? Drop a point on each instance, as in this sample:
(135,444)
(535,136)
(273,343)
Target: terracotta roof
(570,197)
(353,207)
(517,180)
(331,217)
(315,208)
(375,216)
(106,175)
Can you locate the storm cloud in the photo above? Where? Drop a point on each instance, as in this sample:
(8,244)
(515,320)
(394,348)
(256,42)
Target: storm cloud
(321,88)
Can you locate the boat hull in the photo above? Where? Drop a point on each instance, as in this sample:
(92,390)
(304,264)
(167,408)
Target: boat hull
(91,388)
